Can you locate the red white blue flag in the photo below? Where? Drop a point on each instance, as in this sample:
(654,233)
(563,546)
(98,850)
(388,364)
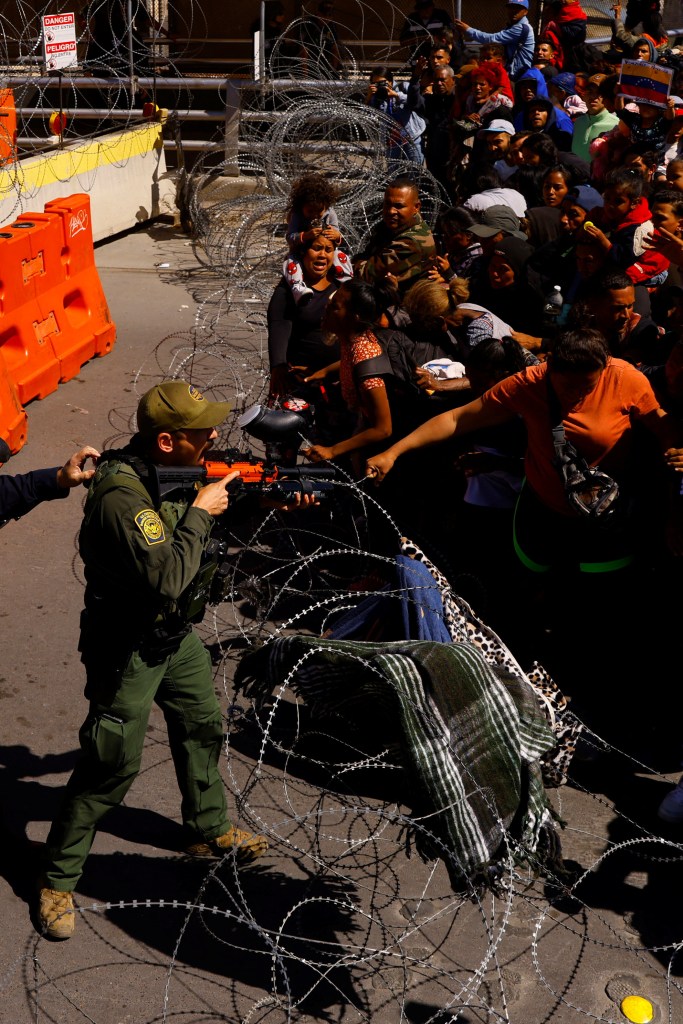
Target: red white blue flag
(645,83)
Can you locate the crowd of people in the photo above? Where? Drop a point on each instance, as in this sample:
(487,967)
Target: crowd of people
(522,354)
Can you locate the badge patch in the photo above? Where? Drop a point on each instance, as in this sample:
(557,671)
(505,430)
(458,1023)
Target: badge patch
(150,526)
(195,393)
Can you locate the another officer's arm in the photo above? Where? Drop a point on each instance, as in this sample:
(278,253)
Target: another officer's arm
(20,494)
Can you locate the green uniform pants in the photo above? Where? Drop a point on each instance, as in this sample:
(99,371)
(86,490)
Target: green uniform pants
(112,738)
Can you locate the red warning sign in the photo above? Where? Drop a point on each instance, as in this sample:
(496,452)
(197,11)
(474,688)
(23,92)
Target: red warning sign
(59,41)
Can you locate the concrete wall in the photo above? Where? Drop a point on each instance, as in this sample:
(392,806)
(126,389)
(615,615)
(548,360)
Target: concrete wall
(124,174)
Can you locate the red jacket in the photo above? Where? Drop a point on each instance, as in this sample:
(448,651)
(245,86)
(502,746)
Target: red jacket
(629,250)
(570,12)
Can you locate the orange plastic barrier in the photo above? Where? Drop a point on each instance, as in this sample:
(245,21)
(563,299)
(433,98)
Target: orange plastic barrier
(8,127)
(13,420)
(53,313)
(77,300)
(25,345)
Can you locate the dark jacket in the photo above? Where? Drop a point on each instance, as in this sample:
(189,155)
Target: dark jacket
(559,125)
(629,250)
(537,79)
(436,110)
(19,494)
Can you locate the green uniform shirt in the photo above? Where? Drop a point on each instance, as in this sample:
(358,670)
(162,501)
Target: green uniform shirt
(138,560)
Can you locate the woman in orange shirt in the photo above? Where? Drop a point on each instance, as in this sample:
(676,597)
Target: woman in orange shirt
(582,620)
(600,398)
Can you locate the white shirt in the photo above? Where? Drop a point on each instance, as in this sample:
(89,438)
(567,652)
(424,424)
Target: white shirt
(497,197)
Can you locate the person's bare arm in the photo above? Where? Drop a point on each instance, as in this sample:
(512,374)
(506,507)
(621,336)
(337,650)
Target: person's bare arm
(426,381)
(379,415)
(528,341)
(667,430)
(472,416)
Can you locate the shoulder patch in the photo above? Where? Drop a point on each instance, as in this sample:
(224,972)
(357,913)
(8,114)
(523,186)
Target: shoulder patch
(150,526)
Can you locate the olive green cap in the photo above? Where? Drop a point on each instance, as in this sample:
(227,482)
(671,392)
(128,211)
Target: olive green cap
(177,405)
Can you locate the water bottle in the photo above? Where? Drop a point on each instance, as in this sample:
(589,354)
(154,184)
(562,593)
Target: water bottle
(552,309)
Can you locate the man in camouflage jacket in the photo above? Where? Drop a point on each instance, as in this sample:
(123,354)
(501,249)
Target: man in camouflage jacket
(402,246)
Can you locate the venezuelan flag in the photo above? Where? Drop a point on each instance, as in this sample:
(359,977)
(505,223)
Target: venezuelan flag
(645,83)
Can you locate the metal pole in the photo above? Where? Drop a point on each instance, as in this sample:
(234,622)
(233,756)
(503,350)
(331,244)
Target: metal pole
(232,129)
(61,112)
(262,44)
(131,59)
(181,84)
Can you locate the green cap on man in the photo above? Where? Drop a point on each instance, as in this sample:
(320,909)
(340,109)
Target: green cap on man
(177,405)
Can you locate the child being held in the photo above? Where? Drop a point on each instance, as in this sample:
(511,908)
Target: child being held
(310,213)
(623,226)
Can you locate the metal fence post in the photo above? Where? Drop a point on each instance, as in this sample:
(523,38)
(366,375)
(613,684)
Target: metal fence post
(131,54)
(232,128)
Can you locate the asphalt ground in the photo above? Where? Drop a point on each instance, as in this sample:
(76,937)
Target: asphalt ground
(337,922)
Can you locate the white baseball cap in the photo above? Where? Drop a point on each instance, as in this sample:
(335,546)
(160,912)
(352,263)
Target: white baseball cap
(500,125)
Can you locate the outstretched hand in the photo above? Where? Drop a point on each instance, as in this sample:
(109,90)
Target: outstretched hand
(378,466)
(669,245)
(318,453)
(72,472)
(298,500)
(674,459)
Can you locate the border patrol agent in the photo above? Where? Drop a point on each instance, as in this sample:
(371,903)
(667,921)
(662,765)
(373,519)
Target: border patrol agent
(138,646)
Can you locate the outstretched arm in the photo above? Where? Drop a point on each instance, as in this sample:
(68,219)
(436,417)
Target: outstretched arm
(73,473)
(379,415)
(20,494)
(472,416)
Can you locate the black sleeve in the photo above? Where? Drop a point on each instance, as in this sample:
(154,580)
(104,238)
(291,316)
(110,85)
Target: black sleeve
(281,310)
(415,100)
(563,140)
(20,494)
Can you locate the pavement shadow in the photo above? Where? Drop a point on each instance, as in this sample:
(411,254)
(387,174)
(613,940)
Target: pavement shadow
(639,877)
(259,927)
(333,754)
(25,800)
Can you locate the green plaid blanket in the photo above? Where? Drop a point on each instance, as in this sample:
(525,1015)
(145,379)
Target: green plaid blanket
(470,734)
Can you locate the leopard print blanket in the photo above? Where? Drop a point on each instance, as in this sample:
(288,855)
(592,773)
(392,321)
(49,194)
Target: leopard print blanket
(465,627)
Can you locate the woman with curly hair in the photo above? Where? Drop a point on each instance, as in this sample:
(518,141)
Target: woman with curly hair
(311,214)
